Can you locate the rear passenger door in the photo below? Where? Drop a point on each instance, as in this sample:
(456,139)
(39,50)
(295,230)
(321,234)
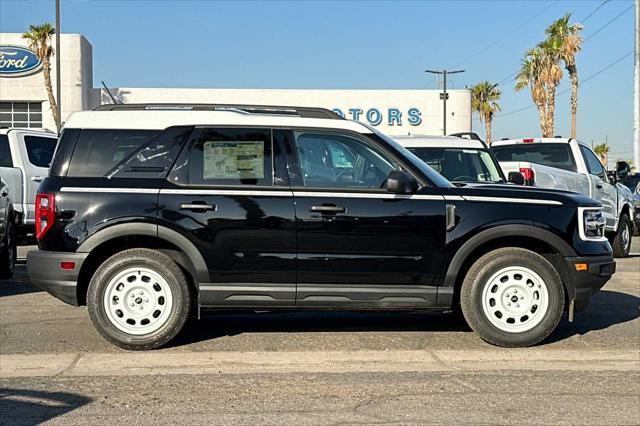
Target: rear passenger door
(37,153)
(358,244)
(228,193)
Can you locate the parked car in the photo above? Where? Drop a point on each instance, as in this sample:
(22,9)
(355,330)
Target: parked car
(458,158)
(150,213)
(562,163)
(636,208)
(8,251)
(25,155)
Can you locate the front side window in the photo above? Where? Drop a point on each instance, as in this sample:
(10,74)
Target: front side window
(593,164)
(231,157)
(340,161)
(40,150)
(556,155)
(459,164)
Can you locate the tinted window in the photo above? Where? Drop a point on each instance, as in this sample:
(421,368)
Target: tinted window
(456,164)
(40,150)
(5,152)
(548,154)
(231,157)
(593,164)
(99,151)
(337,161)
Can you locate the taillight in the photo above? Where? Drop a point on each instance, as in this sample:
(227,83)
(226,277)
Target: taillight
(45,209)
(528,175)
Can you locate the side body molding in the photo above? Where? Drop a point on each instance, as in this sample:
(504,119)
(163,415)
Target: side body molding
(516,230)
(192,257)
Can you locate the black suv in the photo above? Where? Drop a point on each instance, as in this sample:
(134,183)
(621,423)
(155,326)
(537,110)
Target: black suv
(151,212)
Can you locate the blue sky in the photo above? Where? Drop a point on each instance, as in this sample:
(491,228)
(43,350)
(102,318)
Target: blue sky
(358,45)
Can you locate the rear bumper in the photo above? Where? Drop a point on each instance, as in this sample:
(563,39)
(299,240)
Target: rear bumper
(45,272)
(587,282)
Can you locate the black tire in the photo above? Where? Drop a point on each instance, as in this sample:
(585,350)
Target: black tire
(160,264)
(621,241)
(9,253)
(477,279)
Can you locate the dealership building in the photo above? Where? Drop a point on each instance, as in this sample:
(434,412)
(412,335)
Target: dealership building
(23,98)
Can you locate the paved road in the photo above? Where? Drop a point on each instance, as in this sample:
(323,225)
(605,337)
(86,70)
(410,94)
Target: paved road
(318,368)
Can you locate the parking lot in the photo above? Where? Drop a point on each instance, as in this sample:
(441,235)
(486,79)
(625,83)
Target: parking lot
(321,367)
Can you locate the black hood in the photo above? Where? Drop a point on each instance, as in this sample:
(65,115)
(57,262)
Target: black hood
(527,192)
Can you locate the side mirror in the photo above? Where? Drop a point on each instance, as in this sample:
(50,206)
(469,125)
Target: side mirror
(401,182)
(612,177)
(516,177)
(622,169)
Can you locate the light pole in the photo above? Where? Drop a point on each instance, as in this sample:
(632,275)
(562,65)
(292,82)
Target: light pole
(444,95)
(58,79)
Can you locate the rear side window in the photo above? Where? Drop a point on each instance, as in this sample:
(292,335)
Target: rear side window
(548,154)
(40,150)
(99,151)
(5,152)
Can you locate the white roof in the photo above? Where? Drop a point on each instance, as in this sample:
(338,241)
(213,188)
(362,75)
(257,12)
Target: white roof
(426,141)
(161,119)
(40,131)
(530,140)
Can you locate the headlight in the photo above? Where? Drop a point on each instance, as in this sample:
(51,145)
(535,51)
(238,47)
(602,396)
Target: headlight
(591,223)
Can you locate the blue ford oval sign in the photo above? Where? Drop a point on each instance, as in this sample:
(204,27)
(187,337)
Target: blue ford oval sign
(16,61)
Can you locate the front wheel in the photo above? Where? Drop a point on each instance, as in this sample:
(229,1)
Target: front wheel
(9,253)
(512,297)
(139,299)
(621,242)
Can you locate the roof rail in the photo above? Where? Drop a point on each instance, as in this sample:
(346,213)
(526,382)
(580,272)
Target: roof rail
(305,112)
(469,135)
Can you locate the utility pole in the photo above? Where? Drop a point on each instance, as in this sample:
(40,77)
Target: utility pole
(58,79)
(444,95)
(636,94)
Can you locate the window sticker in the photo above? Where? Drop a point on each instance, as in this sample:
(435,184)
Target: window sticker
(233,160)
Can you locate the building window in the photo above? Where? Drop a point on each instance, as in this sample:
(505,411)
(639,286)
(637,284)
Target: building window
(20,114)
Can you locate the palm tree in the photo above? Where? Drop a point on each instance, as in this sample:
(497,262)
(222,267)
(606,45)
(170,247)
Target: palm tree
(39,39)
(602,151)
(570,42)
(551,76)
(484,101)
(529,76)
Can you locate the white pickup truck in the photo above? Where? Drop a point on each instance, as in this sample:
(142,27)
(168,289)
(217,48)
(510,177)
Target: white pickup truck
(25,155)
(565,163)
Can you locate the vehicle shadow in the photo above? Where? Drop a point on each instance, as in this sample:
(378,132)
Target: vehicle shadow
(608,308)
(18,284)
(29,407)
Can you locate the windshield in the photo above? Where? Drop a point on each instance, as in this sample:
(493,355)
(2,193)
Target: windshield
(437,179)
(461,164)
(556,155)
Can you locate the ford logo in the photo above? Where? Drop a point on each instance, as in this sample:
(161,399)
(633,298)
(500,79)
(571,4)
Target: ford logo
(17,61)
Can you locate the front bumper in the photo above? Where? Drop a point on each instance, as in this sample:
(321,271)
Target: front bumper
(590,278)
(45,272)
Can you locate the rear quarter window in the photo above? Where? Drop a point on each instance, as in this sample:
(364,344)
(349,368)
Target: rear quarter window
(548,154)
(98,151)
(40,150)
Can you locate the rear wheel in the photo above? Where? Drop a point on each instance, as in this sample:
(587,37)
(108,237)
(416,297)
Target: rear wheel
(9,253)
(139,299)
(512,297)
(621,242)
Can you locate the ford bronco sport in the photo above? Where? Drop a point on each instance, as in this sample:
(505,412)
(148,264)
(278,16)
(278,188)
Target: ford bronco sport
(152,212)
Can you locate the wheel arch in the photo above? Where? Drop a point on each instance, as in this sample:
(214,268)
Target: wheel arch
(116,238)
(536,239)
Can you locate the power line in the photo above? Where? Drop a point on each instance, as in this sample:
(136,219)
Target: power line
(608,23)
(597,73)
(594,11)
(498,40)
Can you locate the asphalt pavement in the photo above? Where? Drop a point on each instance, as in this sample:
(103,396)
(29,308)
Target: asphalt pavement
(321,367)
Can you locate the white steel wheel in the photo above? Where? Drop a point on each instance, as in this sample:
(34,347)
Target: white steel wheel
(515,299)
(138,301)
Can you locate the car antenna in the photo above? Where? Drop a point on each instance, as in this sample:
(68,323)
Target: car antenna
(109,92)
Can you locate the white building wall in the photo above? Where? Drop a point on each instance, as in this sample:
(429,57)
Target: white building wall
(76,78)
(427,102)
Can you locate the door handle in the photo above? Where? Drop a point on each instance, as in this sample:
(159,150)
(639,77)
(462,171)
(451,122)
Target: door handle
(328,209)
(599,185)
(37,178)
(198,206)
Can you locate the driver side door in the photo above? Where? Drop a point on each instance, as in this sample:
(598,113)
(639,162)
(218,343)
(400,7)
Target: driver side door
(359,245)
